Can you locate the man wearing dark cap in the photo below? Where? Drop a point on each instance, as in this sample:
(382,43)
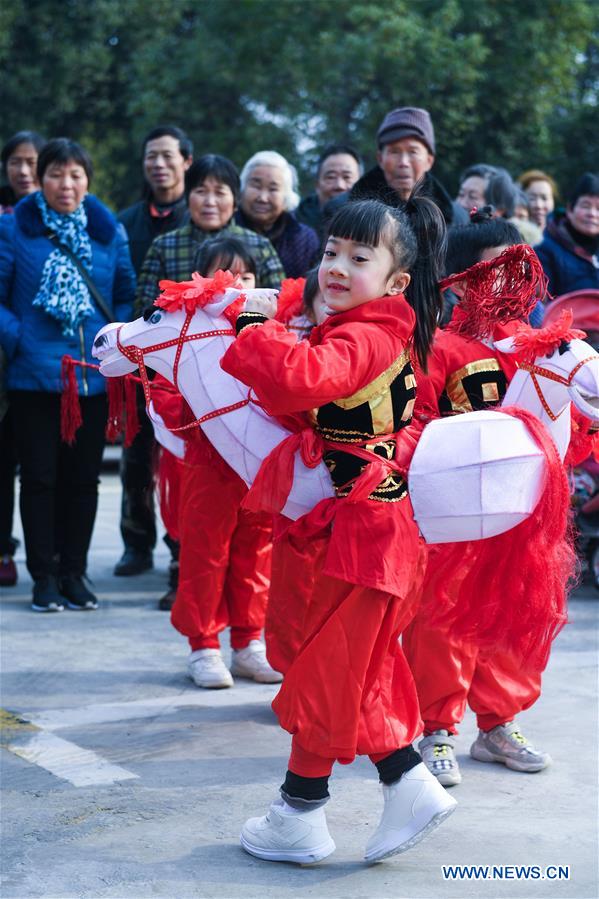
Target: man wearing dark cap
(405,156)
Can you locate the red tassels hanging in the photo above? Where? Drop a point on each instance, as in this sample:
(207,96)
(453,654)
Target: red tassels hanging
(116,402)
(70,408)
(122,409)
(509,592)
(122,404)
(501,290)
(132,418)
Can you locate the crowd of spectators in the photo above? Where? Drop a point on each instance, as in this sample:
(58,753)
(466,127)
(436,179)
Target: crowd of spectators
(68,264)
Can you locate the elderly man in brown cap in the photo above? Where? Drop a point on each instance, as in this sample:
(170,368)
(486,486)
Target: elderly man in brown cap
(405,156)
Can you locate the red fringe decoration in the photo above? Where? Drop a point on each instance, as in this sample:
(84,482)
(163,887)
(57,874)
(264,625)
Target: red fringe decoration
(530,343)
(122,409)
(290,301)
(584,441)
(199,291)
(132,419)
(504,289)
(70,407)
(168,477)
(509,592)
(122,404)
(116,401)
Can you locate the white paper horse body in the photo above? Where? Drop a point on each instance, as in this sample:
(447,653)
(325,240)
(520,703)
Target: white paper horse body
(479,474)
(243,436)
(472,476)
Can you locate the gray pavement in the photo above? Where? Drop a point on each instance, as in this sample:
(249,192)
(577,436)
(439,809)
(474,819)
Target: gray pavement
(121,779)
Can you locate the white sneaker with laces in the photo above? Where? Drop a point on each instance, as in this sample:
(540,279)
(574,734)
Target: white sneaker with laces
(207,669)
(414,806)
(281,836)
(252,662)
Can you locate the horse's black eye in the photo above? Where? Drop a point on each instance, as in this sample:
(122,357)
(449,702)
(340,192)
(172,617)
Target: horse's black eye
(150,312)
(563,347)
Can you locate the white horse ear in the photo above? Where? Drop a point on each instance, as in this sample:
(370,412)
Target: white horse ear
(215,308)
(505,345)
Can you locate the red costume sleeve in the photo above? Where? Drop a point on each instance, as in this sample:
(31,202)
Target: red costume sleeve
(290,376)
(431,385)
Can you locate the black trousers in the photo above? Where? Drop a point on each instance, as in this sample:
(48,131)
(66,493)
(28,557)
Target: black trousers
(138,524)
(8,470)
(59,483)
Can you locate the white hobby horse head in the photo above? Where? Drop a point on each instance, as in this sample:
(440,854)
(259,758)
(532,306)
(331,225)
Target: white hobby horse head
(565,370)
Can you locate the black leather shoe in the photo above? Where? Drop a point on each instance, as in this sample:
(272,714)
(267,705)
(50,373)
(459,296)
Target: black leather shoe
(165,603)
(78,596)
(133,561)
(46,595)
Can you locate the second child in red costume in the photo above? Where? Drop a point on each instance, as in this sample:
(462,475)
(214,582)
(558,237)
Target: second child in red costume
(225,554)
(466,374)
(348,394)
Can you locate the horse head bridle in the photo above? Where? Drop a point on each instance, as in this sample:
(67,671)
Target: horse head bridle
(136,355)
(533,369)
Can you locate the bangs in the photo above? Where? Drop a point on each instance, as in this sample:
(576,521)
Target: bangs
(225,259)
(363,221)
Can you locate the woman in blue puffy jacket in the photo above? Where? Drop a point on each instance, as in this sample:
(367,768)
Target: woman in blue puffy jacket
(47,310)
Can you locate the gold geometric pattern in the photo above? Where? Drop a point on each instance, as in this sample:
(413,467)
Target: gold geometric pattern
(377,388)
(455,387)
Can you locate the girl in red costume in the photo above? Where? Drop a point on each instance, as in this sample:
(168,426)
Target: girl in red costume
(465,374)
(348,393)
(225,554)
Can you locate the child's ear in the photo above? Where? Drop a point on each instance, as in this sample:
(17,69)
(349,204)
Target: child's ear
(459,288)
(398,283)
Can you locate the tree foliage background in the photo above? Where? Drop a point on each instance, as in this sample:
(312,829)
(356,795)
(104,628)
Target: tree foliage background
(510,82)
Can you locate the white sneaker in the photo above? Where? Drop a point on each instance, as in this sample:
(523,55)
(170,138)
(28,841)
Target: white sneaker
(414,806)
(280,836)
(252,662)
(207,669)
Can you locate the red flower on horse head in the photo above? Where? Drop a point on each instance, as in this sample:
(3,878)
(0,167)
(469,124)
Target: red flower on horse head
(532,342)
(188,295)
(291,299)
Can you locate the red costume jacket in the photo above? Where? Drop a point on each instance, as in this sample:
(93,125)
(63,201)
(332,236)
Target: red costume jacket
(352,382)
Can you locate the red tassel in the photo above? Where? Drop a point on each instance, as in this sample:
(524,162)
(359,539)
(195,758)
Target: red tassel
(502,290)
(70,407)
(132,419)
(509,592)
(116,400)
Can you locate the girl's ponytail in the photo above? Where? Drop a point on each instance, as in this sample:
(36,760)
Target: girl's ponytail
(423,292)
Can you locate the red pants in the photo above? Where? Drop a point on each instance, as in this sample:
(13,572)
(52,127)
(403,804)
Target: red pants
(224,561)
(450,674)
(349,690)
(291,585)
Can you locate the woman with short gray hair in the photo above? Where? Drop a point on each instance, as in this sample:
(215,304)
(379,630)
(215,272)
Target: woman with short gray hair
(268,198)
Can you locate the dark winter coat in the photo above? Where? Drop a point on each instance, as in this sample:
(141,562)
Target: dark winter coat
(567,265)
(142,227)
(297,245)
(309,212)
(373,186)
